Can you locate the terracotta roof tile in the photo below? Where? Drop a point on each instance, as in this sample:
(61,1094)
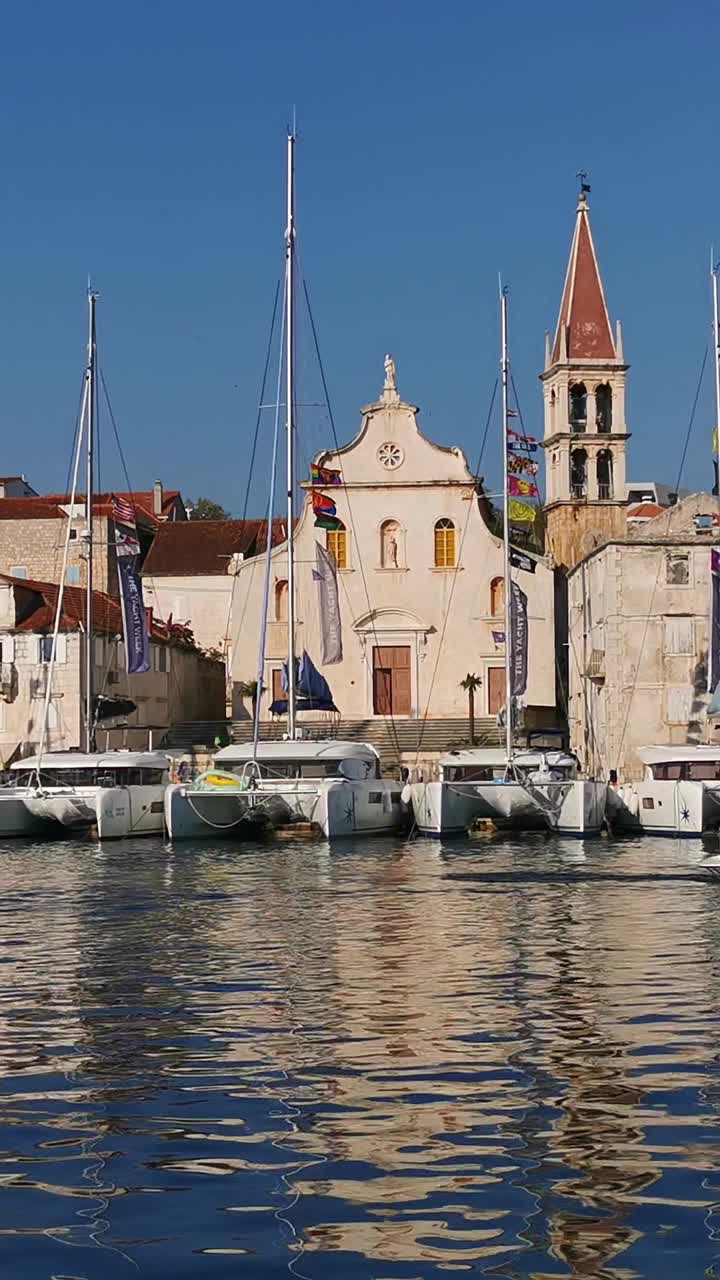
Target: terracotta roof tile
(48,507)
(188,548)
(38,614)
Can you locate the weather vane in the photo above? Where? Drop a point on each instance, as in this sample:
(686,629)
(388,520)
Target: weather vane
(583,175)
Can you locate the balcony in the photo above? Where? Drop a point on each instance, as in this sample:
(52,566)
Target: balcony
(604,490)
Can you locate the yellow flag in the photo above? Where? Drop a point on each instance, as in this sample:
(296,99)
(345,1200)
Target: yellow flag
(521,512)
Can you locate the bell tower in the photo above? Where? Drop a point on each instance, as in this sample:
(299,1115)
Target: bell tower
(584,391)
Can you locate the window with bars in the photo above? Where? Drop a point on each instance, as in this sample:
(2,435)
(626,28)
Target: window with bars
(445,548)
(336,544)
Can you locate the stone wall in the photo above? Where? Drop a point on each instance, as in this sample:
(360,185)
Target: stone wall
(573,530)
(37,547)
(182,685)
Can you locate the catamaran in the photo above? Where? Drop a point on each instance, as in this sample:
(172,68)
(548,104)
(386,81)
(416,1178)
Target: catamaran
(117,793)
(335,785)
(520,789)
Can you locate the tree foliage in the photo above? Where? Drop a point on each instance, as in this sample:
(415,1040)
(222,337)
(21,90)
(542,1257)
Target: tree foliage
(206,509)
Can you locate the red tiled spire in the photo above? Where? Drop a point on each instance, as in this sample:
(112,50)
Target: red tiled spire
(583,329)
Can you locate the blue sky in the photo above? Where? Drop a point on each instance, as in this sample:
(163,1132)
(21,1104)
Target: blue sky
(144,143)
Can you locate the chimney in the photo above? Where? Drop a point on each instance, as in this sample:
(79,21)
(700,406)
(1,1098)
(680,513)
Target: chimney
(158,499)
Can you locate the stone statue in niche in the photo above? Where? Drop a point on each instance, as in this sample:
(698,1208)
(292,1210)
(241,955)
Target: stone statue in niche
(390,383)
(391,545)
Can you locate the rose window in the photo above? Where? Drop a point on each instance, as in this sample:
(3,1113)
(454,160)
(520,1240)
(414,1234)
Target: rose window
(390,455)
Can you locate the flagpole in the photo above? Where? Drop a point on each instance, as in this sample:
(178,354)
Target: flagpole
(290,419)
(505,372)
(714,272)
(90,409)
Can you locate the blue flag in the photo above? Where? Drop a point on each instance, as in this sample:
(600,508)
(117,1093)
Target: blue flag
(137,642)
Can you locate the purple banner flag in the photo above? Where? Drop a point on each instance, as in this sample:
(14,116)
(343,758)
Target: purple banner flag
(519,640)
(137,642)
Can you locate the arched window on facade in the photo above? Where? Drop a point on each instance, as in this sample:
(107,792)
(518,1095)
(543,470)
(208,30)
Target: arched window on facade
(605,473)
(336,543)
(578,473)
(281,600)
(390,550)
(445,547)
(497,597)
(603,407)
(578,406)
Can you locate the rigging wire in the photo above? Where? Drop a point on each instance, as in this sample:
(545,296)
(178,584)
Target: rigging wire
(253,451)
(456,570)
(633,686)
(388,718)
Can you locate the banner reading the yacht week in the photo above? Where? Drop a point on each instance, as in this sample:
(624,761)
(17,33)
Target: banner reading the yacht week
(132,605)
(519,640)
(714,667)
(325,574)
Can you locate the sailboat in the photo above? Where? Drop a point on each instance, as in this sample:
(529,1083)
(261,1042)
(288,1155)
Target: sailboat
(335,785)
(517,789)
(118,792)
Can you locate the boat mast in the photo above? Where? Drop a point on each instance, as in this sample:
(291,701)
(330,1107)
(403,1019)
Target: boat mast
(714,274)
(90,396)
(290,419)
(505,375)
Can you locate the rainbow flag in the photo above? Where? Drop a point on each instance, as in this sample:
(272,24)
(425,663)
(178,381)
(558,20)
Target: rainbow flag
(324,475)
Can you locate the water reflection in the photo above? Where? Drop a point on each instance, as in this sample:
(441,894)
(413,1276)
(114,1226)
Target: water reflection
(382,1061)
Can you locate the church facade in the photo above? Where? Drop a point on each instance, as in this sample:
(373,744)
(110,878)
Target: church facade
(420,579)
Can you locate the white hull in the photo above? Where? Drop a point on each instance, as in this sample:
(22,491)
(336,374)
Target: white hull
(338,807)
(574,807)
(114,811)
(15,817)
(665,808)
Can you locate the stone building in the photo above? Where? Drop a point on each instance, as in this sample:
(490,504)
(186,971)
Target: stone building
(183,684)
(639,618)
(420,584)
(33,531)
(584,409)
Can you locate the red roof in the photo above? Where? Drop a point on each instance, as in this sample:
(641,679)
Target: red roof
(583,311)
(645,511)
(48,507)
(36,604)
(187,548)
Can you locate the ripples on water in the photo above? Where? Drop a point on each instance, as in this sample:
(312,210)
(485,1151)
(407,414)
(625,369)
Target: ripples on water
(392,1060)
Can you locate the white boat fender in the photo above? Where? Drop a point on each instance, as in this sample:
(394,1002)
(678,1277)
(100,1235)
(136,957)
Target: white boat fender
(406,794)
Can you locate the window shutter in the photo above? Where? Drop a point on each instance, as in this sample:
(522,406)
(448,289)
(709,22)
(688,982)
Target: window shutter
(8,649)
(679,635)
(61,649)
(679,704)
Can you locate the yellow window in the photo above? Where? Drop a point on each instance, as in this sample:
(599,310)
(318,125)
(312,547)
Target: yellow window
(445,553)
(336,544)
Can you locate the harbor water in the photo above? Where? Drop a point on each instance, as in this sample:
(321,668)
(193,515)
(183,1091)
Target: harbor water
(384,1060)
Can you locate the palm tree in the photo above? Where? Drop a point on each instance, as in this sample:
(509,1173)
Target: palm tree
(470,684)
(249,689)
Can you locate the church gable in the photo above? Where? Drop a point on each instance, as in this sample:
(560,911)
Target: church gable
(390,449)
